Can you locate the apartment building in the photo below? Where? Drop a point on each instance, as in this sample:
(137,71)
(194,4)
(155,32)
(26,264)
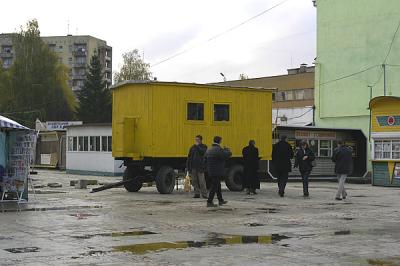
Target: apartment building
(73,51)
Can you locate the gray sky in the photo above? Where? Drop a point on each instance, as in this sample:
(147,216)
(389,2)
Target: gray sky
(283,38)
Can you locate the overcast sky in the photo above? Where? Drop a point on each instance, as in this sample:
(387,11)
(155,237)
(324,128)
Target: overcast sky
(283,38)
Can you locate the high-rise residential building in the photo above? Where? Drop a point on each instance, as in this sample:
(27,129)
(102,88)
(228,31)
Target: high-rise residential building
(73,51)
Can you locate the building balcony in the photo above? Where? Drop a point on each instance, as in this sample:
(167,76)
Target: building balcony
(79,53)
(79,64)
(108,58)
(6,54)
(107,69)
(78,77)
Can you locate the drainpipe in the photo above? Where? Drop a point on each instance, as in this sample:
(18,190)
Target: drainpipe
(384,79)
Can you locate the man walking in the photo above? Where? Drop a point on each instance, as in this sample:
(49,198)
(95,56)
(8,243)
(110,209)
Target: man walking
(251,180)
(282,153)
(216,157)
(342,157)
(195,164)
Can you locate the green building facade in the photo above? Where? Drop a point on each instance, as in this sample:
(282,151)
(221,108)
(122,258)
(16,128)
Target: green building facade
(358,48)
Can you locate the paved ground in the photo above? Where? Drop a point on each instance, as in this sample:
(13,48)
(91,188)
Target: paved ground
(67,226)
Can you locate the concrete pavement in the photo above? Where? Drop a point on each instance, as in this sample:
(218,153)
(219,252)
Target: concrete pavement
(68,226)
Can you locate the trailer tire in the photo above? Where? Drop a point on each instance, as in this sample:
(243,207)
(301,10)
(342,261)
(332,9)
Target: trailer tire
(133,186)
(165,180)
(234,178)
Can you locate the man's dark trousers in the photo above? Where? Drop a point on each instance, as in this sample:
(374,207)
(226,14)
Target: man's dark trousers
(282,181)
(215,188)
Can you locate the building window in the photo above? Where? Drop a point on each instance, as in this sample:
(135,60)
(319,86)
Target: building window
(325,148)
(273,96)
(289,95)
(103,143)
(60,47)
(195,111)
(221,112)
(95,143)
(109,146)
(85,143)
(386,149)
(309,94)
(80,143)
(299,94)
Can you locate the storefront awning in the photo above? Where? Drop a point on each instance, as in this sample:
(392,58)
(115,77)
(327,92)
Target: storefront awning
(8,123)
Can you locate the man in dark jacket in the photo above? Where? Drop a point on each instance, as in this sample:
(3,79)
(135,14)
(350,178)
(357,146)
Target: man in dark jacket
(343,159)
(251,181)
(282,153)
(216,157)
(195,164)
(304,158)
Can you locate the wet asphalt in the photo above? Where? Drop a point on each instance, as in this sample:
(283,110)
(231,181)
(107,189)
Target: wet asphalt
(68,226)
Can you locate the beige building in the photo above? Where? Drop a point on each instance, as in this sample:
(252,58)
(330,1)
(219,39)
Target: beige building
(293,100)
(73,51)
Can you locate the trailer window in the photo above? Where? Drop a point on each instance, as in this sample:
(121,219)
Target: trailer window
(221,112)
(195,111)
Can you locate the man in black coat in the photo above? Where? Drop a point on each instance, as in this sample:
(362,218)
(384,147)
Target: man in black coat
(304,158)
(282,153)
(216,157)
(195,164)
(251,180)
(343,159)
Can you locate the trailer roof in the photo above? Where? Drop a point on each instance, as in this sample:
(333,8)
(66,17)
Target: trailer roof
(172,83)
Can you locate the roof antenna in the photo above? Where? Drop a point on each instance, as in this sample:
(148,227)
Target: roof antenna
(68,27)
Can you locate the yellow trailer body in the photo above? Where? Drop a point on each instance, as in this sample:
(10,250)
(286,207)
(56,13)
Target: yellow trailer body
(160,119)
(150,119)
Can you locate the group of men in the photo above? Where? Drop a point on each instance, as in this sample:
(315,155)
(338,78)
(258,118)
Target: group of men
(212,160)
(201,159)
(282,154)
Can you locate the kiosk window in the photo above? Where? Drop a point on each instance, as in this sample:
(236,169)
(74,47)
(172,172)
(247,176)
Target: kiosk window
(386,149)
(195,111)
(221,112)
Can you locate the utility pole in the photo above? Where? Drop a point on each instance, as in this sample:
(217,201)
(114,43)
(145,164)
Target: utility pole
(384,79)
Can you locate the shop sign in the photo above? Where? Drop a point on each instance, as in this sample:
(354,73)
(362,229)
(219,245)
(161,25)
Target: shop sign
(302,134)
(60,125)
(388,120)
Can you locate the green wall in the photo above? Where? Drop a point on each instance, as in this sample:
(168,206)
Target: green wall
(353,36)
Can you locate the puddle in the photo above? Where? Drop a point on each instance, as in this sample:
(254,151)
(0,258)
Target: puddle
(212,241)
(5,238)
(268,210)
(22,250)
(220,209)
(48,192)
(343,232)
(254,224)
(347,218)
(115,234)
(59,208)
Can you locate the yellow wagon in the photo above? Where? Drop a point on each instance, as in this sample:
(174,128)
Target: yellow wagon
(154,124)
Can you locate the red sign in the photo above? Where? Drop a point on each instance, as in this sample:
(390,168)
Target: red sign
(391,120)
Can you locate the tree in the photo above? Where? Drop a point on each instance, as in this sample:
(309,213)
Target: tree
(95,98)
(133,68)
(243,76)
(36,85)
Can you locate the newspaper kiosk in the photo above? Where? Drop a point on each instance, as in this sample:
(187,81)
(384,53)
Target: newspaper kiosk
(385,139)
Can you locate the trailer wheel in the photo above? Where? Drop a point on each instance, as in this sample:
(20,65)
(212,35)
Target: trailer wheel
(133,186)
(234,179)
(165,180)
